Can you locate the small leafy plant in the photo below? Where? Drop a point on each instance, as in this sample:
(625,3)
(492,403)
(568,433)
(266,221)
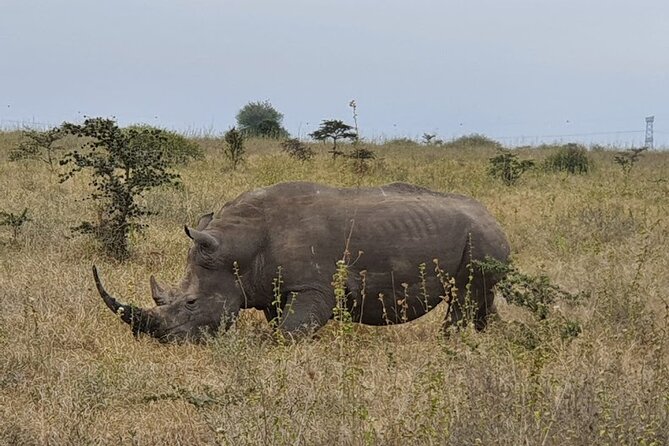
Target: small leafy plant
(297,149)
(507,167)
(123,167)
(14,221)
(39,145)
(234,147)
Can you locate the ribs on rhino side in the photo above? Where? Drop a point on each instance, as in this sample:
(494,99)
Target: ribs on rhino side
(384,234)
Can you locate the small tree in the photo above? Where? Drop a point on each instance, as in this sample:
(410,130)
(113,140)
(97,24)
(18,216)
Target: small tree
(14,221)
(627,159)
(429,139)
(335,130)
(297,149)
(360,158)
(261,119)
(507,167)
(40,145)
(234,147)
(123,167)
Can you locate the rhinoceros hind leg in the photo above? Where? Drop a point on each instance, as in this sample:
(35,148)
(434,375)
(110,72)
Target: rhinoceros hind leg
(478,305)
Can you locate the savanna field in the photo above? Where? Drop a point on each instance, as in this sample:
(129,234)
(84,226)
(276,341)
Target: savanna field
(594,371)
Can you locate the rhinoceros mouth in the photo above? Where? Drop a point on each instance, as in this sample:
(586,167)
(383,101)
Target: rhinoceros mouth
(139,319)
(171,334)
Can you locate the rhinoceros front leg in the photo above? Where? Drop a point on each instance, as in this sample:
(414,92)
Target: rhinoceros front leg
(305,312)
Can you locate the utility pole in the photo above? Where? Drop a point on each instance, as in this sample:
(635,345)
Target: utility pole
(649,132)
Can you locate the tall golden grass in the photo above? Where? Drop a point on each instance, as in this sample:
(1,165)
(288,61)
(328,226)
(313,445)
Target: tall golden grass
(71,373)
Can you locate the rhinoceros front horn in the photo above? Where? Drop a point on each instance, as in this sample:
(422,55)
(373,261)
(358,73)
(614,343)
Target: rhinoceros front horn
(139,319)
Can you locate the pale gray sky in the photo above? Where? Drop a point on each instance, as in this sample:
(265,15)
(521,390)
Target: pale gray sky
(504,68)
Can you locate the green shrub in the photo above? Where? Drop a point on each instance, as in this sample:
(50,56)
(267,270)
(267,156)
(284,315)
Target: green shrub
(572,158)
(176,148)
(507,167)
(297,149)
(474,140)
(402,142)
(535,293)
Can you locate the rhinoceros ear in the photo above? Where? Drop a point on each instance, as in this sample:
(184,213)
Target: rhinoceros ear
(203,239)
(204,221)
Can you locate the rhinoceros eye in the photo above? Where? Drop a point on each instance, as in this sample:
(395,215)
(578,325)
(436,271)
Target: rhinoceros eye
(191,302)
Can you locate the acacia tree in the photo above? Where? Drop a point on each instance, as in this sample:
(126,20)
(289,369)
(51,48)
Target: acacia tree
(123,167)
(261,119)
(335,130)
(40,145)
(627,159)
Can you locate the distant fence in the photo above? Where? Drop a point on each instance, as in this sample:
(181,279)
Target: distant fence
(620,138)
(614,138)
(13,124)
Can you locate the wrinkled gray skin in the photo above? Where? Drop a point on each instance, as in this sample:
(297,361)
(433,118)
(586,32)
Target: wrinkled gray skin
(305,229)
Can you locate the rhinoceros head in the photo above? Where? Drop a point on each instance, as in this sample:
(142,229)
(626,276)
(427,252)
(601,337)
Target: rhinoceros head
(208,296)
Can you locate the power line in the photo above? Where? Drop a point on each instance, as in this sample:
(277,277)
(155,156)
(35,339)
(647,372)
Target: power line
(618,132)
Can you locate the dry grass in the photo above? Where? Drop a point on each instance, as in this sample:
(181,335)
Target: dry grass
(70,373)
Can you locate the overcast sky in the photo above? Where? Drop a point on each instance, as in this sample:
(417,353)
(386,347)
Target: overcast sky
(510,69)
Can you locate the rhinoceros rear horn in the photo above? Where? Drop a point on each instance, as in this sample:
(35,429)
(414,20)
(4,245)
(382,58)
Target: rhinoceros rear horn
(139,319)
(203,239)
(158,293)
